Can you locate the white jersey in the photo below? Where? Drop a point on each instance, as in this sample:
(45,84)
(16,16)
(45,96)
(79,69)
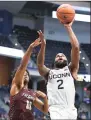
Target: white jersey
(60,88)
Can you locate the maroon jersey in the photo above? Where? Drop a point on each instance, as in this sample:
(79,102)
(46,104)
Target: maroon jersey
(21,105)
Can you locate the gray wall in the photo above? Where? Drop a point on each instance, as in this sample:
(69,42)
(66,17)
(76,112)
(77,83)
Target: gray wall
(55,31)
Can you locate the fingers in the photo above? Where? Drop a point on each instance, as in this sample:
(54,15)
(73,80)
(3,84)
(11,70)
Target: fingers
(41,37)
(40,33)
(38,93)
(37,42)
(71,22)
(67,25)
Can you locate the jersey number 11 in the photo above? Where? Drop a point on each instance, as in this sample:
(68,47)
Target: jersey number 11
(28,106)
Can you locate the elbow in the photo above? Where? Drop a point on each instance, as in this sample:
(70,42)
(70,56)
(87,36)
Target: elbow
(40,69)
(76,47)
(39,65)
(45,111)
(45,108)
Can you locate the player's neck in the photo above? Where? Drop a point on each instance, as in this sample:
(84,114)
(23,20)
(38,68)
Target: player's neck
(26,86)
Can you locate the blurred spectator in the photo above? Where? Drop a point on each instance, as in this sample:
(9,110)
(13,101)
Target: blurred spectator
(77,101)
(83,116)
(6,100)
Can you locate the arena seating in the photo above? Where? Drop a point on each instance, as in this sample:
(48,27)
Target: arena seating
(86,48)
(4,102)
(26,36)
(4,41)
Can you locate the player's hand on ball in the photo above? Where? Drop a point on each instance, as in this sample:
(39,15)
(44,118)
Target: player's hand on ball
(70,24)
(40,94)
(41,37)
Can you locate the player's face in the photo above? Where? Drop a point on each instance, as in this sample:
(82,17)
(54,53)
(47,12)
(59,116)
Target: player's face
(60,60)
(60,57)
(26,76)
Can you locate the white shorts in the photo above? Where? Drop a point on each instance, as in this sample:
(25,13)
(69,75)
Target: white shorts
(59,113)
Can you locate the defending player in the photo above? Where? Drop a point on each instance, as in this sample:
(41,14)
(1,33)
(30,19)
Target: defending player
(60,84)
(21,98)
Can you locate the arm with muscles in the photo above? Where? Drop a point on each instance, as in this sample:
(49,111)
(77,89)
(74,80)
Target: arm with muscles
(75,56)
(43,70)
(17,80)
(41,105)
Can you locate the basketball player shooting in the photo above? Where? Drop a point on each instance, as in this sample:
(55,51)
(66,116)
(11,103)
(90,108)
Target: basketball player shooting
(60,80)
(21,98)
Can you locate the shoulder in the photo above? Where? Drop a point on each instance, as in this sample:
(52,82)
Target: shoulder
(15,89)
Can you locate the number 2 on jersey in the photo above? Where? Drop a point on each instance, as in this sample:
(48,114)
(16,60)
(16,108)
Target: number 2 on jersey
(60,85)
(28,106)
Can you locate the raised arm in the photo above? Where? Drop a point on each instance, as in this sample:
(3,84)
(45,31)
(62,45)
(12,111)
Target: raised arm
(43,70)
(41,105)
(17,80)
(75,56)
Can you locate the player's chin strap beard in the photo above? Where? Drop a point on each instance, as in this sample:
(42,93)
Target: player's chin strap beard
(60,65)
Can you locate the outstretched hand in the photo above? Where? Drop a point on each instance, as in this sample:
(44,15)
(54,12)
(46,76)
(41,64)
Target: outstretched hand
(70,24)
(36,43)
(40,94)
(41,37)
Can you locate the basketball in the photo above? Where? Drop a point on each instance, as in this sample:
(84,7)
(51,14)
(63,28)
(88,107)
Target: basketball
(65,13)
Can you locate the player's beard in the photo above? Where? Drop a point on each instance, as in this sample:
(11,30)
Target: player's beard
(58,64)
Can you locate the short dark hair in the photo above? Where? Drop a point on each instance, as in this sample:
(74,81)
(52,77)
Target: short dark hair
(14,72)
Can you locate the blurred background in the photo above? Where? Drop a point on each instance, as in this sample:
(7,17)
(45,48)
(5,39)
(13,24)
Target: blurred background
(19,22)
